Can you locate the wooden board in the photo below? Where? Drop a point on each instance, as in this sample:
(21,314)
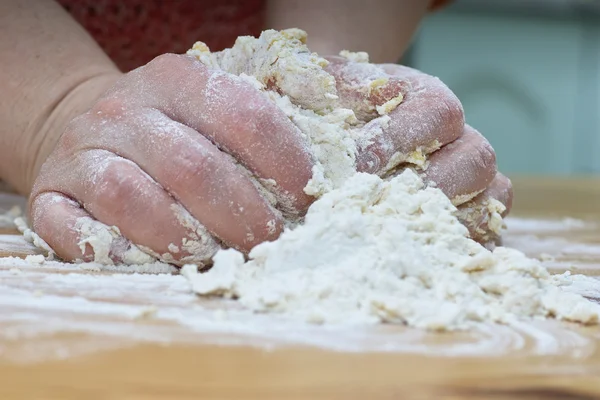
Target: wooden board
(77,333)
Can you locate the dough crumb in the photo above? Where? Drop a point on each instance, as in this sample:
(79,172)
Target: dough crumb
(33,238)
(35,259)
(358,56)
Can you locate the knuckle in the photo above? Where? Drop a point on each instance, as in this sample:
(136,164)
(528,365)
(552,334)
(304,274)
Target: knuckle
(109,107)
(84,129)
(482,151)
(189,167)
(72,135)
(164,75)
(453,111)
(168,63)
(487,153)
(117,183)
(449,106)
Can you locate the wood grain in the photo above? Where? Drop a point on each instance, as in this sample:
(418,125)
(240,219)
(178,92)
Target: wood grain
(101,364)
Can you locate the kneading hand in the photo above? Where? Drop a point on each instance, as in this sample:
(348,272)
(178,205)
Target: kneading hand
(147,158)
(427,131)
(165,154)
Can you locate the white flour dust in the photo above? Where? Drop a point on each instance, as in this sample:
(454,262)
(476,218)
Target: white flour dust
(110,311)
(390,251)
(370,249)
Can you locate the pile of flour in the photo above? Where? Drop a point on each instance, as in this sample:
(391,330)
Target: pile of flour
(370,249)
(390,251)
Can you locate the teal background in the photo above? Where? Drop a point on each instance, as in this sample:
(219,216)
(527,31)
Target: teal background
(529,79)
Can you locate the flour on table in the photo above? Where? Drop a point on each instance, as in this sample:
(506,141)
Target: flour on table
(104,240)
(371,250)
(32,237)
(390,251)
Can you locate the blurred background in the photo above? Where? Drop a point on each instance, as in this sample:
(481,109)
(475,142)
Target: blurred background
(528,74)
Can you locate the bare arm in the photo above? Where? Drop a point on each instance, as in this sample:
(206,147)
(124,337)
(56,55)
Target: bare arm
(148,156)
(383,28)
(52,70)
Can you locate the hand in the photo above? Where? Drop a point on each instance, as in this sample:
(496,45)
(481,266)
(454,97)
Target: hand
(429,121)
(147,158)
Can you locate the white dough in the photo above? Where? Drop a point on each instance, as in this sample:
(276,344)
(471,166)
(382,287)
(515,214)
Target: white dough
(370,250)
(373,250)
(390,251)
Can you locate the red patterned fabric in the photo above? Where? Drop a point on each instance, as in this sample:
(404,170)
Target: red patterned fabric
(133,32)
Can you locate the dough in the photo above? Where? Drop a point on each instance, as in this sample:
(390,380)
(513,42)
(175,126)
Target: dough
(370,250)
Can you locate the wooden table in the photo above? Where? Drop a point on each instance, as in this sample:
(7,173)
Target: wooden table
(68,333)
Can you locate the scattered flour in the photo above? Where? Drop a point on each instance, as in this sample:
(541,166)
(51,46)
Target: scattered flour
(370,249)
(39,262)
(106,241)
(373,250)
(33,238)
(93,233)
(390,251)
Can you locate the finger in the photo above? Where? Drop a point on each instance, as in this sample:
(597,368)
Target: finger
(118,193)
(464,168)
(60,222)
(206,181)
(365,88)
(429,117)
(230,112)
(483,215)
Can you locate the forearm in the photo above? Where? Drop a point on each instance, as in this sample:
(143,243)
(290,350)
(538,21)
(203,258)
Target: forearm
(52,70)
(383,28)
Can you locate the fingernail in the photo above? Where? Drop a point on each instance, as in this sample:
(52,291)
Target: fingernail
(369,162)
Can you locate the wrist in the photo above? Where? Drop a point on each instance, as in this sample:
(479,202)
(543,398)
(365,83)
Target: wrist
(40,143)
